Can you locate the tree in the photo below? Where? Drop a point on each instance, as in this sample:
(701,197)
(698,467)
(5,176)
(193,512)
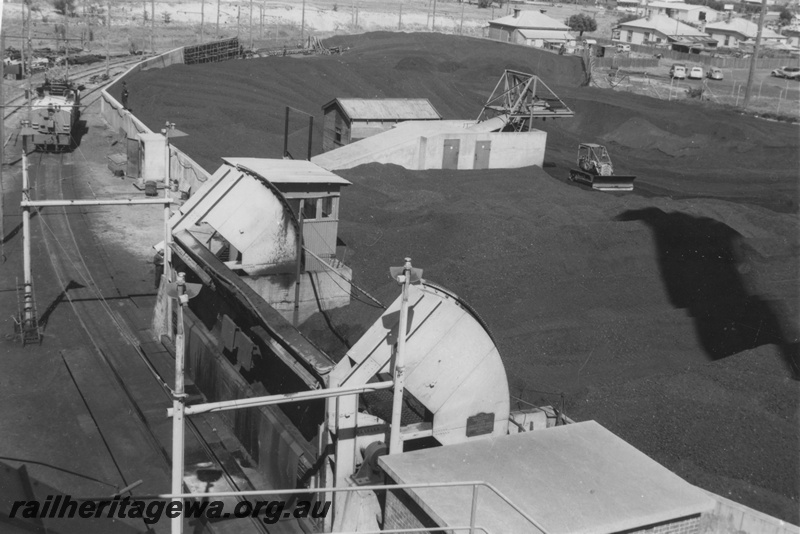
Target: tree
(582,23)
(786,16)
(64,7)
(628,18)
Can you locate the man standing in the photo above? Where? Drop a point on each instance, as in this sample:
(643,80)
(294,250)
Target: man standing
(124,95)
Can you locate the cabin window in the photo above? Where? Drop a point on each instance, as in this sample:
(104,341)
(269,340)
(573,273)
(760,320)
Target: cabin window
(630,36)
(310,209)
(727,40)
(338,135)
(327,207)
(702,15)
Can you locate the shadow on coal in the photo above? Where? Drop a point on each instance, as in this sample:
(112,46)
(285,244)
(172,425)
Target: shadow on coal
(699,260)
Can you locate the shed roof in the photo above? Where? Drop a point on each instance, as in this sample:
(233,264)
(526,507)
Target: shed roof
(386,108)
(535,20)
(573,479)
(287,171)
(743,27)
(664,25)
(679,6)
(547,35)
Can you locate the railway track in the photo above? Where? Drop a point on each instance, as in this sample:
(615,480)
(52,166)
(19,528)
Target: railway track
(17,103)
(88,286)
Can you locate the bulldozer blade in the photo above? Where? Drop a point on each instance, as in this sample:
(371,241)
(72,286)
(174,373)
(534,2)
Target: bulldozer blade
(602,183)
(613,183)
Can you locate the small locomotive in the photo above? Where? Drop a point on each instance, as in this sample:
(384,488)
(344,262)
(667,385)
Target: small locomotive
(55,109)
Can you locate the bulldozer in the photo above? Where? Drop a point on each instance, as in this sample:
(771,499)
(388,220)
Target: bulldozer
(595,169)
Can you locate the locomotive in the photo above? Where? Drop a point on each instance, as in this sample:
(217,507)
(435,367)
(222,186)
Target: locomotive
(55,109)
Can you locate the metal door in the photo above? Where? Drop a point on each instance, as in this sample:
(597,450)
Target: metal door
(133,168)
(450,155)
(482,151)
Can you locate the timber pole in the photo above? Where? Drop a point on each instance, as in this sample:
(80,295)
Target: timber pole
(751,73)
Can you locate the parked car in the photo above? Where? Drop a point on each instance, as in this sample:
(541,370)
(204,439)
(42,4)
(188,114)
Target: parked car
(715,73)
(623,47)
(677,71)
(793,73)
(696,73)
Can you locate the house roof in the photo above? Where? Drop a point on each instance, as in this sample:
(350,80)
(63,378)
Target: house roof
(547,35)
(572,479)
(743,27)
(287,171)
(678,6)
(533,20)
(664,25)
(386,108)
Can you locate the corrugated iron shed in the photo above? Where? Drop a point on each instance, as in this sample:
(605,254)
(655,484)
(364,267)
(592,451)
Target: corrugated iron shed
(393,109)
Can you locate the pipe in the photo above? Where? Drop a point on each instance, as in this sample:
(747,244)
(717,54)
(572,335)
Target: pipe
(110,202)
(284,398)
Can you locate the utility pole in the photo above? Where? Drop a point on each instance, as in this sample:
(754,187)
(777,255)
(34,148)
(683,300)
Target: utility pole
(251,24)
(2,152)
(22,48)
(461,27)
(30,60)
(153,25)
(238,19)
(751,74)
(217,20)
(108,31)
(202,18)
(433,19)
(303,23)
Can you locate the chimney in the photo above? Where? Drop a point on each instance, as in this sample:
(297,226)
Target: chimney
(516,12)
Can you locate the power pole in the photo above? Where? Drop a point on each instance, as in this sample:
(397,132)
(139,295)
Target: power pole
(433,19)
(2,153)
(751,74)
(202,18)
(108,31)
(238,19)
(217,20)
(303,23)
(251,24)
(153,25)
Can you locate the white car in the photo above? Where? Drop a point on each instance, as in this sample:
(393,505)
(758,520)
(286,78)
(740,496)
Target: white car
(792,73)
(696,73)
(715,73)
(677,71)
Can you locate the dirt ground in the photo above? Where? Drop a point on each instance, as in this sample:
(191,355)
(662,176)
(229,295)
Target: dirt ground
(667,314)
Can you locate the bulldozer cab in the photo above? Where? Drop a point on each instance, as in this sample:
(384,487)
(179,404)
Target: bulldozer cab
(595,159)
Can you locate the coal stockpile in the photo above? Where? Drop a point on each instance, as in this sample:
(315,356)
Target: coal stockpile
(667,314)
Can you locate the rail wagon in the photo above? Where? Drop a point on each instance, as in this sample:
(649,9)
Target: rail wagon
(55,109)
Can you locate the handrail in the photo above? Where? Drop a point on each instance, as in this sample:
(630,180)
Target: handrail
(475,484)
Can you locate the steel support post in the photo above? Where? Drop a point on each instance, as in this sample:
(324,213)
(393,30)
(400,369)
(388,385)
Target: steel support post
(395,441)
(178,405)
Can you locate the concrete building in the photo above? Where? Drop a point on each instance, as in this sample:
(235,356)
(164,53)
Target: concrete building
(532,28)
(733,32)
(573,479)
(441,145)
(249,215)
(659,30)
(692,14)
(350,119)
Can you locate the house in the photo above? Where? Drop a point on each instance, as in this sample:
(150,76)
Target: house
(692,14)
(660,30)
(735,31)
(532,28)
(350,119)
(792,37)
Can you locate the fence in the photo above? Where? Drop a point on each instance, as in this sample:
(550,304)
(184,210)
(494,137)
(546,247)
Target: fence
(722,62)
(212,52)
